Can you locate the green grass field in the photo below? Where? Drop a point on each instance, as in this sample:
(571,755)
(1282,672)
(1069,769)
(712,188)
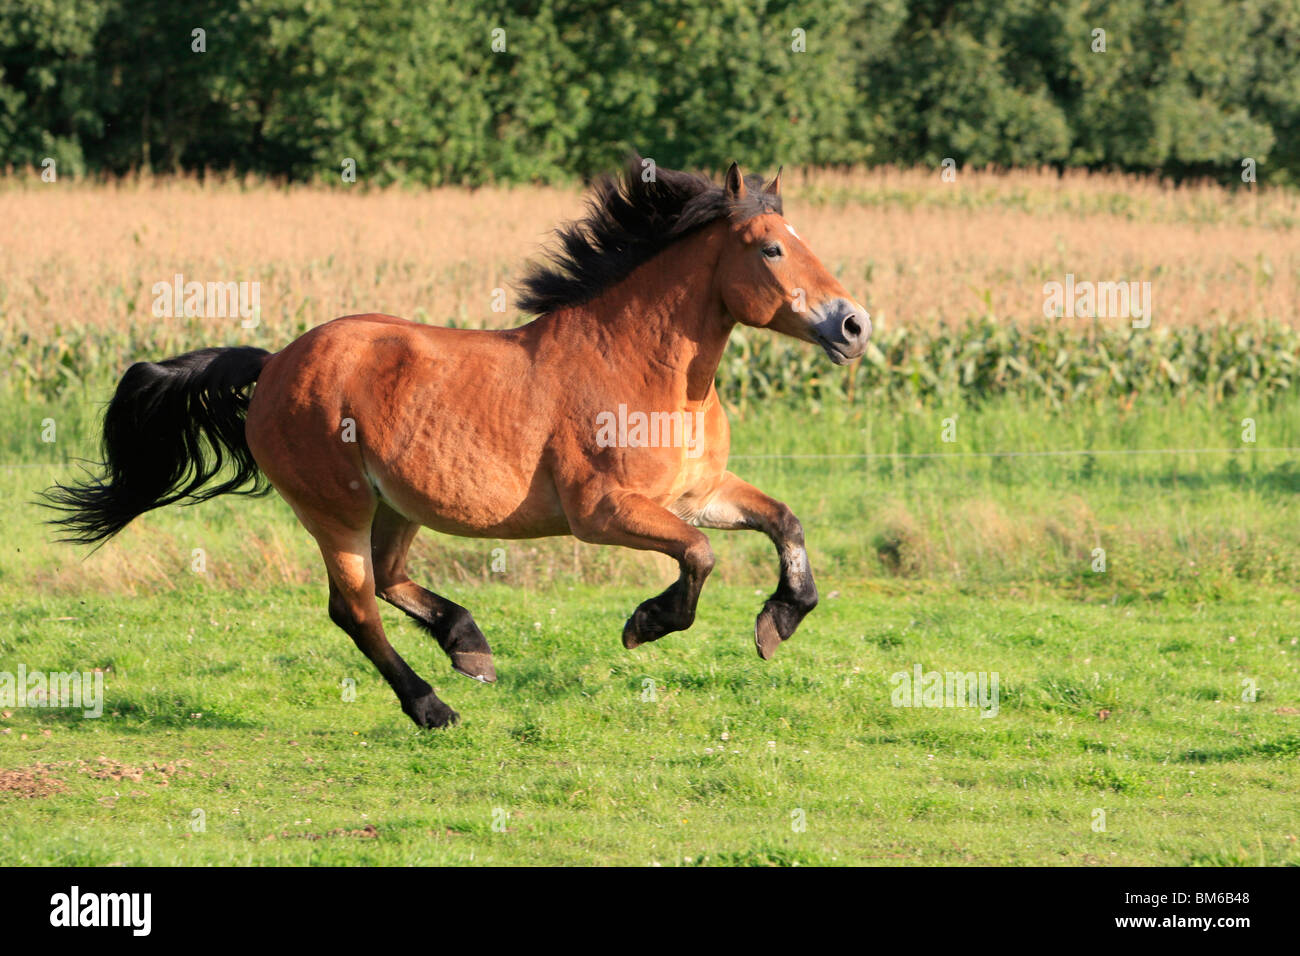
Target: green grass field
(1125,691)
(231,703)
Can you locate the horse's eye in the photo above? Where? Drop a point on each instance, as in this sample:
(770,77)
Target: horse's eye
(773,250)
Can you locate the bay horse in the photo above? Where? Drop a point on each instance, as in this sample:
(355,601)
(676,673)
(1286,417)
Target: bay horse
(372,426)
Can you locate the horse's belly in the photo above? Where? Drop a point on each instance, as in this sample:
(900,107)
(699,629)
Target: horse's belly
(483,503)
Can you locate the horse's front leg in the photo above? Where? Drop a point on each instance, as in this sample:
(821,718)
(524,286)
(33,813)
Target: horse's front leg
(632,520)
(738,504)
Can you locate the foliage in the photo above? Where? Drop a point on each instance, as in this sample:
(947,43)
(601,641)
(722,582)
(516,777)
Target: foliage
(292,88)
(1052,362)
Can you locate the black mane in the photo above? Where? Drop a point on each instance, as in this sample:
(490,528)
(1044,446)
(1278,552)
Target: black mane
(628,222)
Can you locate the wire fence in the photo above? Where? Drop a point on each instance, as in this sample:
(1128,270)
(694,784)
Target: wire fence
(886,455)
(1054,453)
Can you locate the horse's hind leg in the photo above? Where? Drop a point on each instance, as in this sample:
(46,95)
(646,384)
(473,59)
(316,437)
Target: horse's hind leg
(353,607)
(450,624)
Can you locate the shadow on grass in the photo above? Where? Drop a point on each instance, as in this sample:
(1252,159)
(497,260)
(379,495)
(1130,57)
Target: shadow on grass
(760,856)
(1281,480)
(1110,470)
(135,716)
(1288,746)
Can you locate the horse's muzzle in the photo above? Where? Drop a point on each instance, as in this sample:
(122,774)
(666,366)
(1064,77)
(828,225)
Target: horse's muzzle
(842,328)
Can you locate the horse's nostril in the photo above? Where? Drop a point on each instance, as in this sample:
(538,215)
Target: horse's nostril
(852,328)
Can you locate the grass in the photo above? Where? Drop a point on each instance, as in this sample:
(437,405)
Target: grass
(229,702)
(1218,515)
(1120,692)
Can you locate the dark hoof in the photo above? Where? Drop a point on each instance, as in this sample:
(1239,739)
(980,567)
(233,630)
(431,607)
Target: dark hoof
(428,711)
(475,664)
(776,622)
(642,628)
(630,639)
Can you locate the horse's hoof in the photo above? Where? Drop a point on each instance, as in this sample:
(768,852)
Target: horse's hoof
(776,623)
(643,627)
(766,637)
(430,712)
(474,664)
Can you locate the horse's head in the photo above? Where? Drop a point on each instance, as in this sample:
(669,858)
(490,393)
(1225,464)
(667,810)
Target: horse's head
(769,278)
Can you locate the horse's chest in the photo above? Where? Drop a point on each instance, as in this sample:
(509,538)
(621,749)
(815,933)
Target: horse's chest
(664,455)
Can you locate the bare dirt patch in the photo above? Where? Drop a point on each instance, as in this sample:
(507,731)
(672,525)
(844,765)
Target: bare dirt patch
(368,832)
(106,768)
(31,782)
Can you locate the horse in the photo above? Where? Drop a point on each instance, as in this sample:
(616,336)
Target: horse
(372,426)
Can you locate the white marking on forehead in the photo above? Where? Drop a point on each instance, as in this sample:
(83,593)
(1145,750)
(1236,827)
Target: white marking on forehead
(792,232)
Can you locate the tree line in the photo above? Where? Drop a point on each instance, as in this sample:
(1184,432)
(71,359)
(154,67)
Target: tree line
(549,90)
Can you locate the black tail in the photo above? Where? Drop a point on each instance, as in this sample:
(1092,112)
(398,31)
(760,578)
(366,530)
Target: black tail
(169,430)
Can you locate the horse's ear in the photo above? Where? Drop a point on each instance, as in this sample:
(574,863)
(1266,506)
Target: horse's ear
(735,183)
(774,187)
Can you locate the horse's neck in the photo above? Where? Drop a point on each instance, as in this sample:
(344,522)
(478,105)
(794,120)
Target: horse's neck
(664,325)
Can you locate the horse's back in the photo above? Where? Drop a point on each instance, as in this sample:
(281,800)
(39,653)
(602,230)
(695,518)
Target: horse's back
(360,357)
(442,423)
